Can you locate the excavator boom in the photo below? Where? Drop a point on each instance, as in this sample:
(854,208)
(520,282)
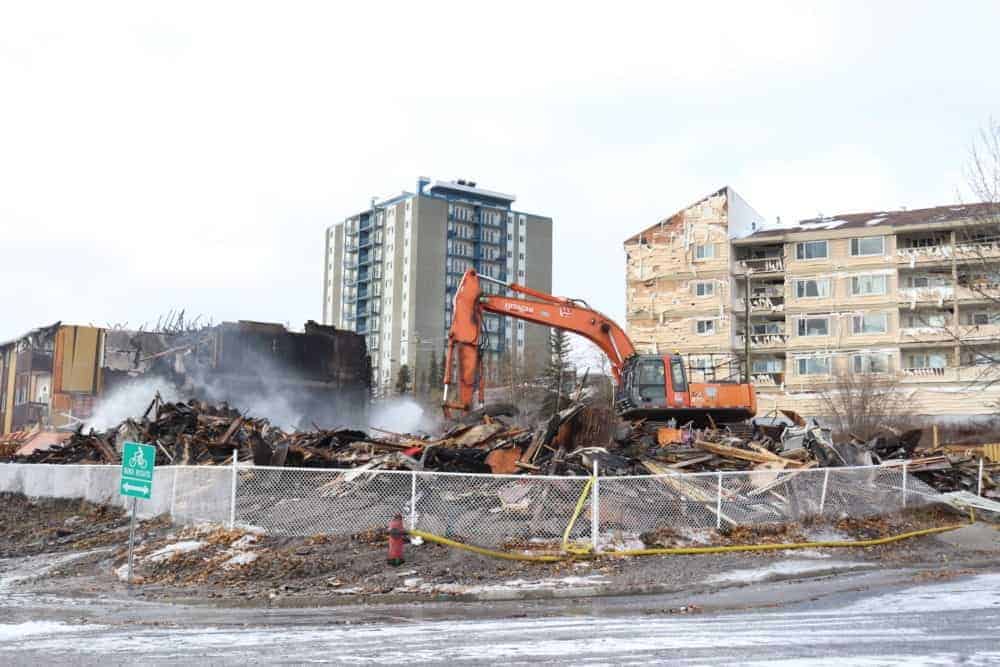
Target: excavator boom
(650,386)
(464,338)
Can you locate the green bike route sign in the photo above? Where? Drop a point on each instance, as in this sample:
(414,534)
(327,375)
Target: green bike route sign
(137,470)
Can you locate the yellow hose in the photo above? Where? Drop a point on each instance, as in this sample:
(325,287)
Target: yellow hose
(431,537)
(782,546)
(573,553)
(566,546)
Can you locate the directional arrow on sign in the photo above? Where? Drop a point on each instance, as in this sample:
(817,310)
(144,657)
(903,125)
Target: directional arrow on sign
(131,487)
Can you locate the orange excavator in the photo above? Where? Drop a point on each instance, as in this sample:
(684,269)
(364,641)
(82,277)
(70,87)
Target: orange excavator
(649,386)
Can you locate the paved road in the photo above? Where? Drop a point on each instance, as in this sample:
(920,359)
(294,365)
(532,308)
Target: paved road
(934,623)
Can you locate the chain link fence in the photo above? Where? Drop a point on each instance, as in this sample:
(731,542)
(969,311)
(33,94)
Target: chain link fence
(489,510)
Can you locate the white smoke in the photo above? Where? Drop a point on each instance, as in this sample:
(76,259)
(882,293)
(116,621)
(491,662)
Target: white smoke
(130,400)
(399,415)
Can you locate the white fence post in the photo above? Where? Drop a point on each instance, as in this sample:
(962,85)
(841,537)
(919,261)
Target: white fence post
(595,510)
(905,463)
(718,504)
(979,486)
(822,497)
(173,494)
(232,492)
(413,499)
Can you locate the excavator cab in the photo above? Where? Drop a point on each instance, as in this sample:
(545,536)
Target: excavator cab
(652,384)
(656,387)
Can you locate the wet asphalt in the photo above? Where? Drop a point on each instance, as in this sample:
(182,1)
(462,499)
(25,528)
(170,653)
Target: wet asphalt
(870,618)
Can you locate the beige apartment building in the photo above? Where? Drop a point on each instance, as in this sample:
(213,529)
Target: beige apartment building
(908,294)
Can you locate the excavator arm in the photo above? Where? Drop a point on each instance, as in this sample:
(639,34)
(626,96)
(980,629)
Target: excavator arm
(465,336)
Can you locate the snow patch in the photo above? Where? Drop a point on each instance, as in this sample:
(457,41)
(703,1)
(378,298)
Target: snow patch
(238,559)
(806,553)
(780,569)
(166,552)
(826,535)
(244,542)
(825,224)
(695,535)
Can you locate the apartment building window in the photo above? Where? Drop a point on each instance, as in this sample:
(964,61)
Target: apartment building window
(927,319)
(704,288)
(704,251)
(867,285)
(868,246)
(814,326)
(767,328)
(812,288)
(980,318)
(811,250)
(877,362)
(768,365)
(926,281)
(870,323)
(814,366)
(927,360)
(705,327)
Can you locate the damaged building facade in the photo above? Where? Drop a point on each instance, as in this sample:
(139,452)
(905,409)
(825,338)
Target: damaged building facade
(885,293)
(57,376)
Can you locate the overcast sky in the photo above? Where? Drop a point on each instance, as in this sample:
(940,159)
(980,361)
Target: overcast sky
(190,155)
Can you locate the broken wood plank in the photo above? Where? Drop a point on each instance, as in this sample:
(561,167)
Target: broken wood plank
(745,455)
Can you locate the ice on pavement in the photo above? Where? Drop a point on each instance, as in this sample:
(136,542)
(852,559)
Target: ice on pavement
(516,585)
(13,570)
(782,568)
(14,631)
(982,591)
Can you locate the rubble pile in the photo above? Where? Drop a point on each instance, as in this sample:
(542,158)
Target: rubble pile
(569,442)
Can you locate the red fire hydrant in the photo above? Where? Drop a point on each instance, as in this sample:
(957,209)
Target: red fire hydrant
(396,540)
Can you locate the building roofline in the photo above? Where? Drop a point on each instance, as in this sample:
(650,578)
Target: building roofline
(472,190)
(936,215)
(665,221)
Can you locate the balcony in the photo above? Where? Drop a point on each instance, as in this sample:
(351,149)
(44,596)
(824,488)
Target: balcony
(927,254)
(768,379)
(988,248)
(762,304)
(938,294)
(764,341)
(925,372)
(925,334)
(760,265)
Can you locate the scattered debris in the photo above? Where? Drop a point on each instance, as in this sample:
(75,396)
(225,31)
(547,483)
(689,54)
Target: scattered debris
(567,443)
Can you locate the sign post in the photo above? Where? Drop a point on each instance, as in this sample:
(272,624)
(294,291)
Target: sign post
(138,462)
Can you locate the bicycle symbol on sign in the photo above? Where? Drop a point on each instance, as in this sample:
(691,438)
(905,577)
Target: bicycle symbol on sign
(137,460)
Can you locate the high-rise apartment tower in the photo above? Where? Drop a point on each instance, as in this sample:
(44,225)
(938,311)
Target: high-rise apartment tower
(391,271)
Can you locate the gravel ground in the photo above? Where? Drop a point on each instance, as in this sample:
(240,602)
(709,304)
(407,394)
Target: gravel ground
(210,563)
